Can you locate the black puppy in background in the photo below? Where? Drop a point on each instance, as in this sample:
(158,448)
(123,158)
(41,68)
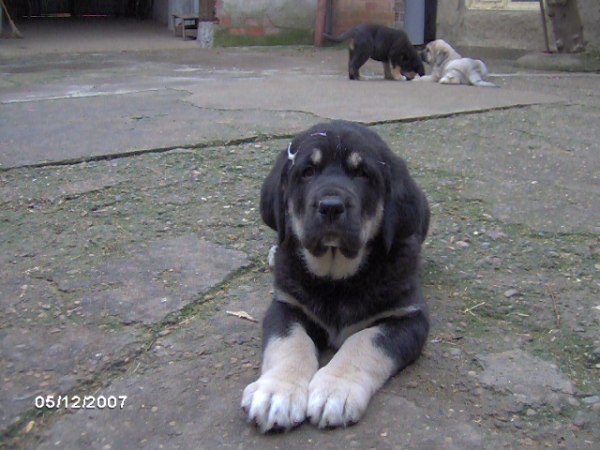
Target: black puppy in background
(390,46)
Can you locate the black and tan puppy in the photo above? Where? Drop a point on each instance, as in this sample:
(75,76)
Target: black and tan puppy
(390,46)
(350,222)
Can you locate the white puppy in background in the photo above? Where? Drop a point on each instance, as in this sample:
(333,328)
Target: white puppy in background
(449,67)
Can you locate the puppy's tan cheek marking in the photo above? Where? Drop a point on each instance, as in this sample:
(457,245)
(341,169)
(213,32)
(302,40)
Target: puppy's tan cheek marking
(297,222)
(316,157)
(354,160)
(371,226)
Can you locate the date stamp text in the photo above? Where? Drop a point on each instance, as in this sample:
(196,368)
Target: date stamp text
(80,402)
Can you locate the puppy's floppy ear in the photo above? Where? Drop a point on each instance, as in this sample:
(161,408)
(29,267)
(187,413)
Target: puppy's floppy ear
(272,196)
(441,55)
(405,211)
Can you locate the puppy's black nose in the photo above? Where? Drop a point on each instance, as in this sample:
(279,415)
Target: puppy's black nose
(331,208)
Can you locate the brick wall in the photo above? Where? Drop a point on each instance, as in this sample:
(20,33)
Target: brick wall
(349,13)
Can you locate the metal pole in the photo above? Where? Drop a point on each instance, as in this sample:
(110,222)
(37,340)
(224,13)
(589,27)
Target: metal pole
(543,11)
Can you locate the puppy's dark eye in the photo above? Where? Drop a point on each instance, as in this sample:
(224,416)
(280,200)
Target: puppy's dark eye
(308,172)
(361,172)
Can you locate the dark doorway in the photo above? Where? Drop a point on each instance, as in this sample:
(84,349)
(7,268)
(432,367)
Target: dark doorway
(430,20)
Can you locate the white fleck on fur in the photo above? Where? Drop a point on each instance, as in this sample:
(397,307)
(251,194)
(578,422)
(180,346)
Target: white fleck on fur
(340,392)
(316,157)
(271,257)
(278,399)
(354,160)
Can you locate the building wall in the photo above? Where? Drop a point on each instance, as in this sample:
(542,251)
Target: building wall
(522,30)
(265,22)
(349,13)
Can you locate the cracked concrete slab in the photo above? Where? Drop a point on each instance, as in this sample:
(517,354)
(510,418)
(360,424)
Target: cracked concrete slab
(53,360)
(179,398)
(82,128)
(159,279)
(529,379)
(366,101)
(83,273)
(199,411)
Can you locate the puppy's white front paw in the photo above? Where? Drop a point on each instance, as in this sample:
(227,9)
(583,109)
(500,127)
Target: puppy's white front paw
(335,401)
(275,404)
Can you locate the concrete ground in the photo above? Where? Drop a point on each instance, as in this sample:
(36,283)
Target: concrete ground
(133,256)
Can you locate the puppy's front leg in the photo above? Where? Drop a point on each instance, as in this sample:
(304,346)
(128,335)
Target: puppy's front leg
(278,399)
(340,392)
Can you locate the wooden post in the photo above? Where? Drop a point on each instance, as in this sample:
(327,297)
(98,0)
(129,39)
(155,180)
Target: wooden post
(320,22)
(544,27)
(15,30)
(566,23)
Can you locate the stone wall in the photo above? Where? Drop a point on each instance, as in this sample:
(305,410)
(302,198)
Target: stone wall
(267,22)
(520,30)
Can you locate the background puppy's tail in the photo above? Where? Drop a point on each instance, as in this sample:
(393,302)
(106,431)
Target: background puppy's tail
(341,38)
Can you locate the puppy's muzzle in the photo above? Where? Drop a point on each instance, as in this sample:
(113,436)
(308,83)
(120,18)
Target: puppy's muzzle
(331,209)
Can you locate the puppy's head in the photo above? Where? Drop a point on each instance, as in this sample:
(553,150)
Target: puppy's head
(408,61)
(334,191)
(436,53)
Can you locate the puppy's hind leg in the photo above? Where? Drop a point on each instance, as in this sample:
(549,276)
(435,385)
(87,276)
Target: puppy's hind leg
(358,57)
(476,77)
(452,77)
(476,80)
(481,83)
(387,71)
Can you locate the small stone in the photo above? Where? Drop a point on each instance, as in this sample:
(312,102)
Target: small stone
(511,293)
(591,400)
(479,392)
(530,412)
(455,352)
(527,338)
(472,373)
(580,421)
